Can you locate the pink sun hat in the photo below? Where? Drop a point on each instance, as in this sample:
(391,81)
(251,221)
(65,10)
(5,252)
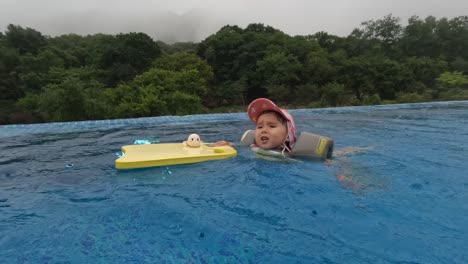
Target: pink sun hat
(260,105)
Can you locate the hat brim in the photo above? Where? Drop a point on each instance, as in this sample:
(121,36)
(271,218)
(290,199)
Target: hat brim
(261,105)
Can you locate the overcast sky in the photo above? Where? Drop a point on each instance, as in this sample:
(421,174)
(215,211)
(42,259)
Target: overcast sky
(194,20)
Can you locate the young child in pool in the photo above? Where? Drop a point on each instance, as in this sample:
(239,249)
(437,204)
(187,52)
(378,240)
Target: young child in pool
(274,126)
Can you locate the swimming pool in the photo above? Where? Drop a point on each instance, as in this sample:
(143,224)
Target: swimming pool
(395,193)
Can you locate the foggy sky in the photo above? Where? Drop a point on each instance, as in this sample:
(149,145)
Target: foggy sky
(194,20)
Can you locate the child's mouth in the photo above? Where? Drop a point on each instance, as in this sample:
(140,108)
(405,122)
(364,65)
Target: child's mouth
(263,139)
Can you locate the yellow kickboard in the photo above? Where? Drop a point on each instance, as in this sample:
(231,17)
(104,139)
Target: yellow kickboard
(152,155)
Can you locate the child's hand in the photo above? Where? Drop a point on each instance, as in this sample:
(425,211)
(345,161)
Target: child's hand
(220,144)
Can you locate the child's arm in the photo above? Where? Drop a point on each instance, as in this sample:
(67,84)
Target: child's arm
(219,144)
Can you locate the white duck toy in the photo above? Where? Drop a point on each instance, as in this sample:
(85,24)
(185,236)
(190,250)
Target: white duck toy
(193,141)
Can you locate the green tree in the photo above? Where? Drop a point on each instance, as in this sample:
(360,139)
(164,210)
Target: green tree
(357,76)
(453,36)
(181,61)
(331,43)
(25,40)
(333,94)
(389,77)
(279,68)
(434,37)
(459,64)
(86,74)
(307,93)
(419,38)
(425,70)
(69,100)
(179,103)
(453,80)
(233,54)
(281,74)
(221,52)
(34,70)
(74,50)
(381,34)
(124,56)
(318,68)
(230,93)
(177,47)
(157,92)
(10,84)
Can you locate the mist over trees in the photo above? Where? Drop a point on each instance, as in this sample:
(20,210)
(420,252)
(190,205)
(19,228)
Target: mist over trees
(73,77)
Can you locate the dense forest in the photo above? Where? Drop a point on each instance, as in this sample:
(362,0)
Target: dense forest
(72,77)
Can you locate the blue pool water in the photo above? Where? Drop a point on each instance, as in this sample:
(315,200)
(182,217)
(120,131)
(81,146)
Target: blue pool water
(396,192)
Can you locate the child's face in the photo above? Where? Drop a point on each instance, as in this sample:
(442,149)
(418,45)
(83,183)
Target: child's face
(270,132)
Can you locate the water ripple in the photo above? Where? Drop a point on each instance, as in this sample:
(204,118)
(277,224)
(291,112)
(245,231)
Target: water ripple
(88,199)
